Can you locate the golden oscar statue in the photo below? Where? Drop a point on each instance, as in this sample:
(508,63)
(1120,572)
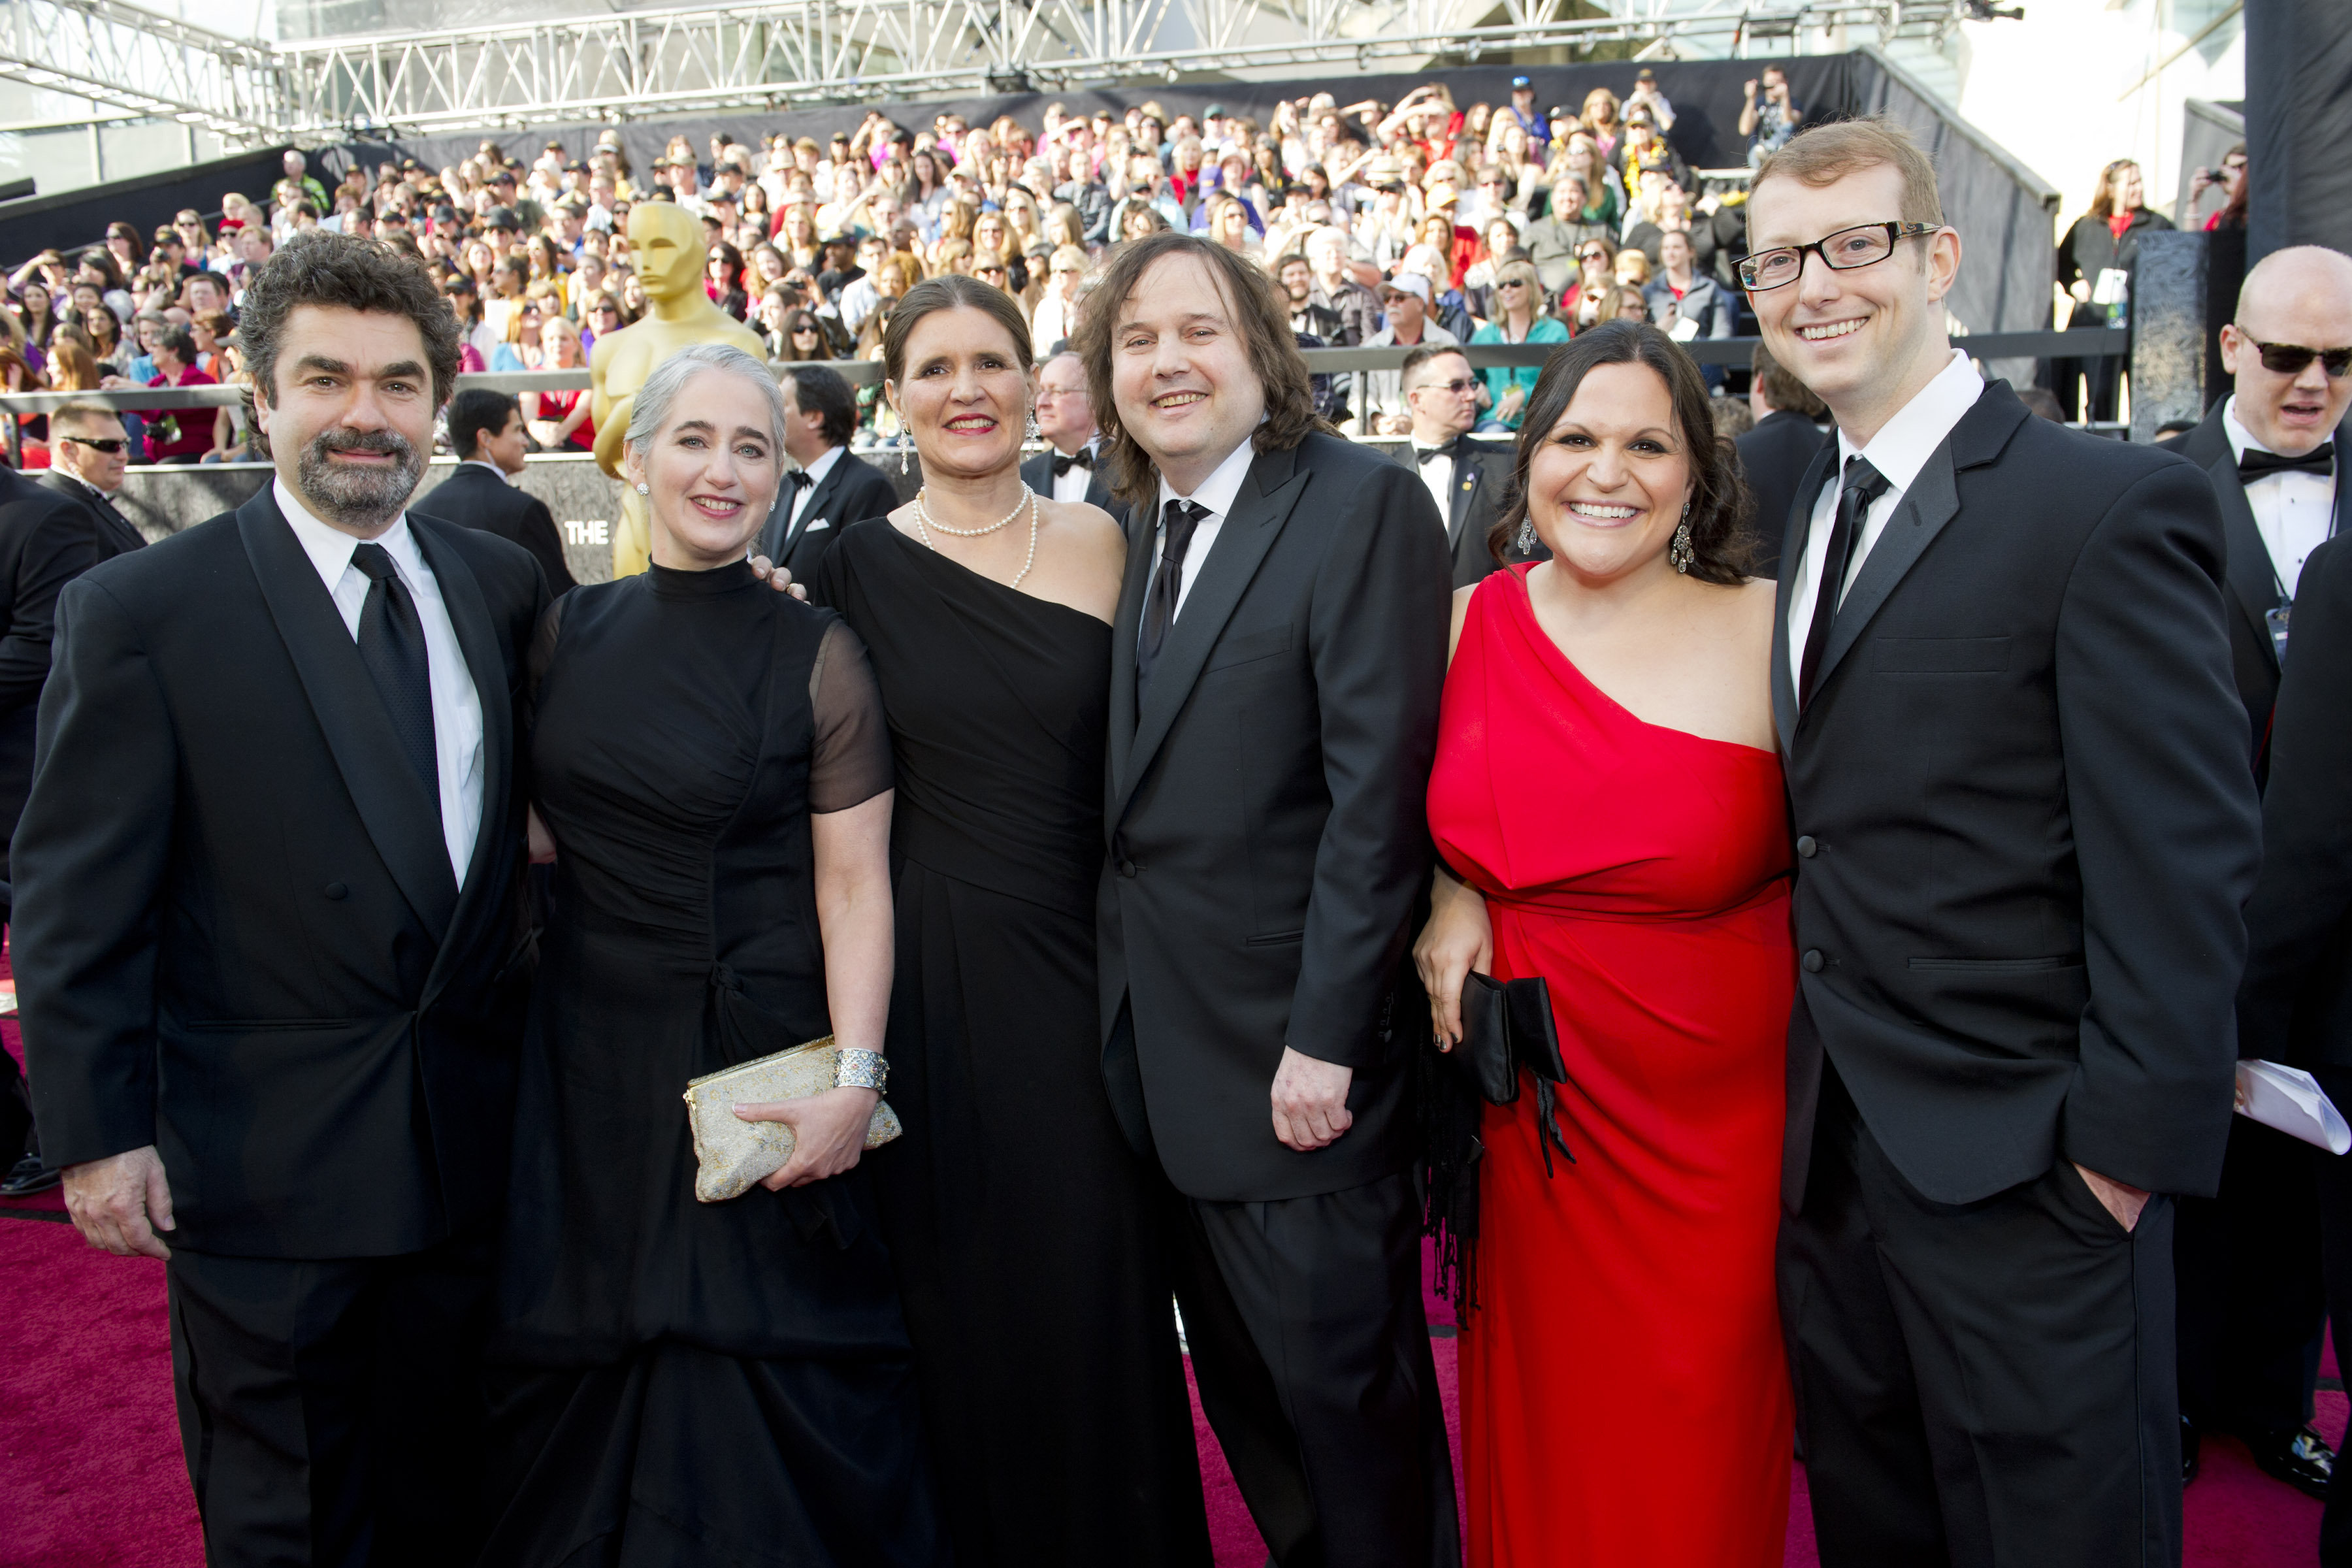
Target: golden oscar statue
(666,247)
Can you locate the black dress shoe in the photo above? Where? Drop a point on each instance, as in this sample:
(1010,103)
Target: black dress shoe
(29,1176)
(2192,1440)
(2298,1456)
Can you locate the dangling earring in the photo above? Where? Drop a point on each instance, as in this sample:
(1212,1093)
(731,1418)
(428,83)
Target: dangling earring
(1032,434)
(1525,541)
(1680,552)
(902,462)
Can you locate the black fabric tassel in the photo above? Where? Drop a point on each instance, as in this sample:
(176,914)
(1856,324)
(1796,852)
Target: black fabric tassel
(1449,1118)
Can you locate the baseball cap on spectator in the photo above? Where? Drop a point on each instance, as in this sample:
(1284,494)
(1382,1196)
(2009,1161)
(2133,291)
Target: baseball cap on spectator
(1645,74)
(1521,84)
(1214,111)
(444,213)
(504,217)
(1384,174)
(1407,282)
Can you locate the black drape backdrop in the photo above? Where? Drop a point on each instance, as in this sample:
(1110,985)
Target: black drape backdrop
(2298,124)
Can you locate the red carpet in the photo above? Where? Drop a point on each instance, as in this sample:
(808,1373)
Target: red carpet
(90,1474)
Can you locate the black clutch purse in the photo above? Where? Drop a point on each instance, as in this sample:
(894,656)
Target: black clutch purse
(1507,1025)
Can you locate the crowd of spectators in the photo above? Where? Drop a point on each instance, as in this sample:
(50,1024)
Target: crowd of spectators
(1424,220)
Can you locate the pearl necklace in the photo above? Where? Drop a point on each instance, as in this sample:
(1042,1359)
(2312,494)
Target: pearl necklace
(925,523)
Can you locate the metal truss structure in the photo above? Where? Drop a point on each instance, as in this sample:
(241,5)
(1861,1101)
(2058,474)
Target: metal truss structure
(777,53)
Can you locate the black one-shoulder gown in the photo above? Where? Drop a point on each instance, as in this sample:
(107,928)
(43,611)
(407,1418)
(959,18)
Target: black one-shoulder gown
(681,1384)
(1016,1213)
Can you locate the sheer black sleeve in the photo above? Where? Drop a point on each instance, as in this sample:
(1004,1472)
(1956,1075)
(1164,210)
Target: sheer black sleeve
(851,763)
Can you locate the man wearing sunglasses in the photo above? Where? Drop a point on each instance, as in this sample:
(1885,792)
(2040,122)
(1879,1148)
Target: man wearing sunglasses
(90,454)
(2024,829)
(49,535)
(2251,1292)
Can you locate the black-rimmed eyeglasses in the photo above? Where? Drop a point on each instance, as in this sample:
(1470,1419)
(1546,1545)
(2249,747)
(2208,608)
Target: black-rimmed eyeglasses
(1846,249)
(2294,359)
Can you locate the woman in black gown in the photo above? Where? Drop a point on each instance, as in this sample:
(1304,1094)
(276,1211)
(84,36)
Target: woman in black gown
(678,1383)
(1052,1383)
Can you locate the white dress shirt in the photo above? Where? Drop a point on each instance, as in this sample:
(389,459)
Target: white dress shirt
(456,706)
(1071,483)
(816,472)
(1437,473)
(1218,493)
(2292,512)
(1899,450)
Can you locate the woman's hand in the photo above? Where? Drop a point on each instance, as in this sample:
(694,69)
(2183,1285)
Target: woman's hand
(1456,941)
(828,1132)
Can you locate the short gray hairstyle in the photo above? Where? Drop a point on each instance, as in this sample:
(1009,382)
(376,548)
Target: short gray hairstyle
(651,405)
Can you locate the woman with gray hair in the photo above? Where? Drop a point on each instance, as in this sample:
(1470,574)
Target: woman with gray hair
(676,1382)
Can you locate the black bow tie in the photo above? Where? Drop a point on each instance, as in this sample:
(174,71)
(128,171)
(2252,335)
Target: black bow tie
(1081,459)
(1451,449)
(799,479)
(2256,463)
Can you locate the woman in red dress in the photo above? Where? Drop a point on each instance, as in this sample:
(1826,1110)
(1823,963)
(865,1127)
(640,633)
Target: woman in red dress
(1607,803)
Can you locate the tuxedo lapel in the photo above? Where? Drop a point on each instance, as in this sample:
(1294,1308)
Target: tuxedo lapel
(469,615)
(1141,536)
(1272,489)
(2252,575)
(1931,502)
(2342,521)
(402,819)
(1801,514)
(1469,474)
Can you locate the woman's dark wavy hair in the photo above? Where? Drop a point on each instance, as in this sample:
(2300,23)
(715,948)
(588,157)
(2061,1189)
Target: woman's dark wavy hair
(1724,549)
(1260,314)
(320,267)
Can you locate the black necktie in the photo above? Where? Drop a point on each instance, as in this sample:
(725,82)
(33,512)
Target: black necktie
(1179,519)
(2255,463)
(391,646)
(1081,459)
(1861,485)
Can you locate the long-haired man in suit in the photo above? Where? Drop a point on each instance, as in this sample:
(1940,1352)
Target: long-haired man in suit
(269,942)
(2026,832)
(1276,661)
(2251,1299)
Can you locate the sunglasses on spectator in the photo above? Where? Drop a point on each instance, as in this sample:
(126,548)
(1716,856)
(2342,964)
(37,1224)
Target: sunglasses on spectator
(1595,254)
(112,445)
(1457,386)
(2293,359)
(1510,282)
(804,329)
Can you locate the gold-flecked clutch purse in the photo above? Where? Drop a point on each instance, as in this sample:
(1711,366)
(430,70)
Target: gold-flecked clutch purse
(733,1153)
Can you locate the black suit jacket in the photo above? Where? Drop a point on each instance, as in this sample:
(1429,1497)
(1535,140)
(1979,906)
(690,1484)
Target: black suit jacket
(2253,585)
(476,497)
(238,934)
(2295,1006)
(1266,821)
(116,534)
(2026,824)
(852,490)
(1037,473)
(1774,456)
(46,539)
(1481,488)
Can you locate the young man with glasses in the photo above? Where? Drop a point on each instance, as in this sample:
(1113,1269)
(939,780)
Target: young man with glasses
(2024,830)
(2249,1262)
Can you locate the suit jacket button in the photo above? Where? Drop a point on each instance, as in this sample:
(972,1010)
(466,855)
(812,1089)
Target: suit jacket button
(337,891)
(1813,960)
(1127,868)
(1806,847)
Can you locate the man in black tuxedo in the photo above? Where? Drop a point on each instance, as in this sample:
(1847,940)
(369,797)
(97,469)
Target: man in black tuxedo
(486,432)
(1276,661)
(833,487)
(89,453)
(1074,470)
(1467,479)
(2251,1297)
(2025,830)
(268,944)
(2295,1006)
(1776,451)
(50,532)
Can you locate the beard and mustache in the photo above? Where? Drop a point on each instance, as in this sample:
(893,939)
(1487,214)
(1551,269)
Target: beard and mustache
(360,497)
